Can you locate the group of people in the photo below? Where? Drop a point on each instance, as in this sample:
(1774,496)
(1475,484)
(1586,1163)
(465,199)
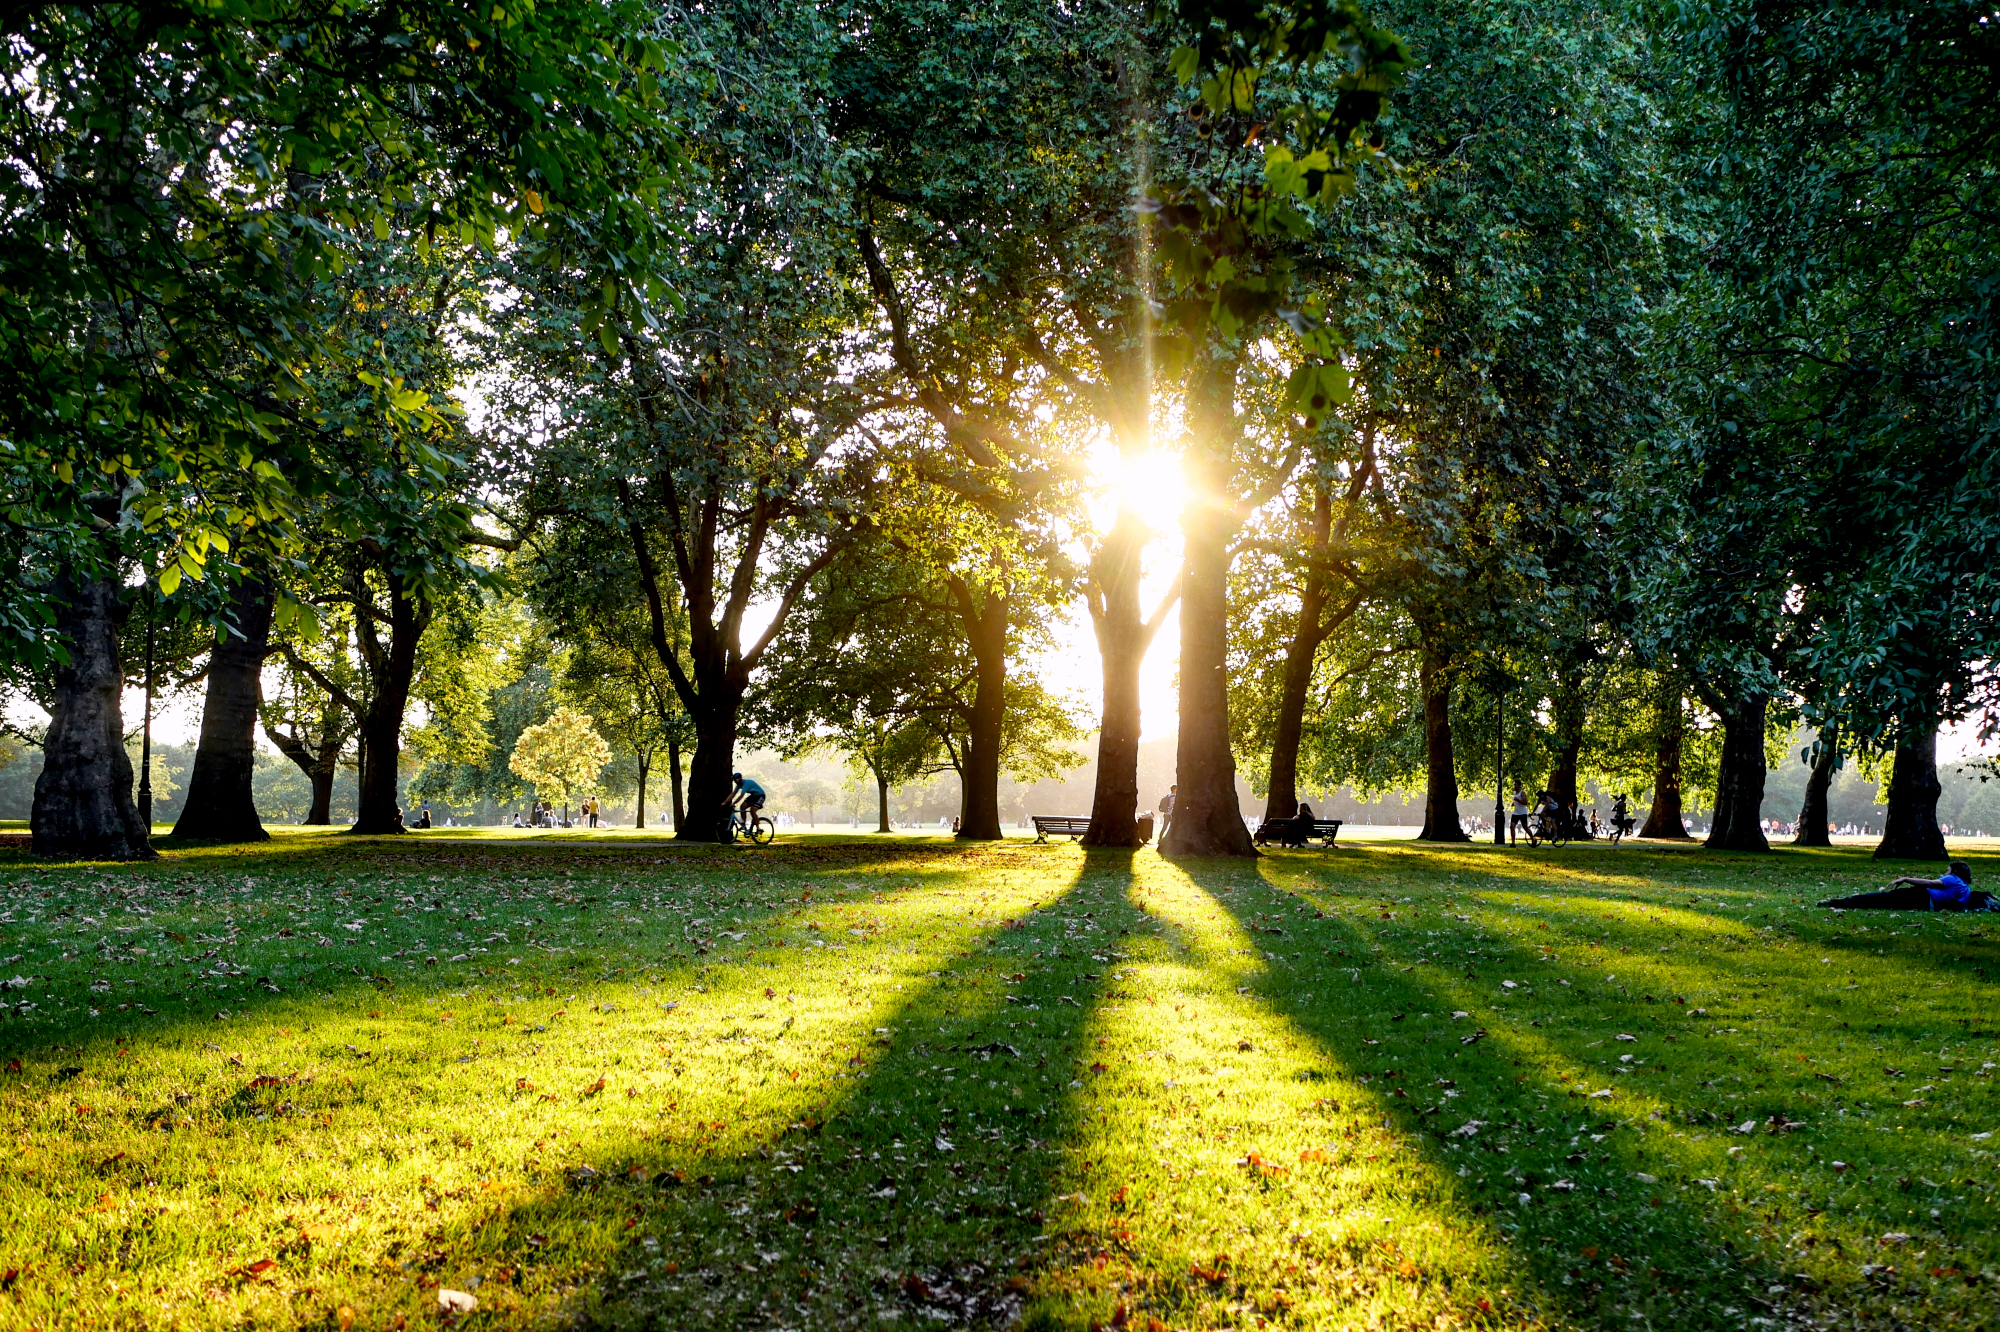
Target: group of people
(1572,817)
(543,814)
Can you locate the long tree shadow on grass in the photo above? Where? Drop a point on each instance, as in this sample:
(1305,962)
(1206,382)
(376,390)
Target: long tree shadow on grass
(136,1075)
(914,1194)
(1608,1203)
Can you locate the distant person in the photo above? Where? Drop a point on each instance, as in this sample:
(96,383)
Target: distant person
(1951,891)
(1167,808)
(1517,822)
(590,810)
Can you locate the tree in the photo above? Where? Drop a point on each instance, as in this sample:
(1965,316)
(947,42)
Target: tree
(563,753)
(811,793)
(221,805)
(716,441)
(618,677)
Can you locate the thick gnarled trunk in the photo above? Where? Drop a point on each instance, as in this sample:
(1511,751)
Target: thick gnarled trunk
(1739,782)
(984,615)
(219,805)
(1664,820)
(83,798)
(1813,830)
(1207,820)
(1910,830)
(1441,766)
(709,785)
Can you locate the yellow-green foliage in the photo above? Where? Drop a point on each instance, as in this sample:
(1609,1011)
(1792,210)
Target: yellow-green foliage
(850,1079)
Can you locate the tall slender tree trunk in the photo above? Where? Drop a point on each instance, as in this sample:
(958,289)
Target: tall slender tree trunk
(1812,811)
(674,773)
(83,798)
(1670,731)
(1910,831)
(1122,639)
(1207,820)
(1441,779)
(645,769)
(881,801)
(392,672)
(984,614)
(1281,798)
(219,805)
(1569,717)
(1739,782)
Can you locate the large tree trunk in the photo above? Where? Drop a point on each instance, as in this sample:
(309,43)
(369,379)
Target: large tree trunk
(1122,640)
(1569,716)
(881,802)
(1812,812)
(392,671)
(709,784)
(1739,783)
(83,797)
(1207,821)
(984,615)
(1670,730)
(219,805)
(1911,832)
(1441,781)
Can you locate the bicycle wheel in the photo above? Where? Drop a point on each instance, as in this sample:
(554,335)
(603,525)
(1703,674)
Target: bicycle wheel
(762,831)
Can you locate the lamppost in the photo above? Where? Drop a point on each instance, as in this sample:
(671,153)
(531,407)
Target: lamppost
(1498,683)
(146,729)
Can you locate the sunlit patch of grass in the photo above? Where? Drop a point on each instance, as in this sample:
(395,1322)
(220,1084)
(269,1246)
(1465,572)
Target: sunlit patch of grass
(846,1082)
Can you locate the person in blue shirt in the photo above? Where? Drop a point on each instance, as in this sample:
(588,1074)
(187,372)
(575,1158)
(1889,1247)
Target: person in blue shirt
(745,794)
(1951,891)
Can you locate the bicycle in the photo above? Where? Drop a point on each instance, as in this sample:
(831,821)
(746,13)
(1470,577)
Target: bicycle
(748,824)
(1547,828)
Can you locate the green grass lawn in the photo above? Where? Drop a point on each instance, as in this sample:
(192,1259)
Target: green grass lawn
(848,1082)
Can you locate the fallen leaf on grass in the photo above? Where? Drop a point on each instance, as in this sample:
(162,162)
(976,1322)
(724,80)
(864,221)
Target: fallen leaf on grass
(345,1316)
(456,1301)
(1255,1163)
(594,1088)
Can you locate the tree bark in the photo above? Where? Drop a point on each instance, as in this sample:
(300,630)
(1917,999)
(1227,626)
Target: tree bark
(709,785)
(1441,780)
(1281,796)
(881,802)
(1569,716)
(645,768)
(219,805)
(1910,830)
(1739,783)
(392,670)
(1812,811)
(1670,730)
(984,615)
(1207,820)
(1122,639)
(83,798)
(320,768)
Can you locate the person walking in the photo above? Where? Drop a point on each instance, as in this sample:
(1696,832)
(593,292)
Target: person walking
(1167,810)
(1518,822)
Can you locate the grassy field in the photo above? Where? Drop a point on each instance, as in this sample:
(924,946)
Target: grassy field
(855,1082)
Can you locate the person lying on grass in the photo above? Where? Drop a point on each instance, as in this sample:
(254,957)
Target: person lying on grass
(1950,892)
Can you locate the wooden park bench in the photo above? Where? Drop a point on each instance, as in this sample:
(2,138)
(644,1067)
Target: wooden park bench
(1062,825)
(1323,831)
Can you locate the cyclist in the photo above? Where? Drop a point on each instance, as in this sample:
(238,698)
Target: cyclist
(746,797)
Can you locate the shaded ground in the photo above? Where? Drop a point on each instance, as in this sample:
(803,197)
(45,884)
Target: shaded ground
(855,1083)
